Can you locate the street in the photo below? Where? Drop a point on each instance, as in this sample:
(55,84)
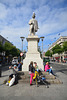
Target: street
(59,68)
(25,91)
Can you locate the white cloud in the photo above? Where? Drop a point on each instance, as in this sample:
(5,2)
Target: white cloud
(56,21)
(15,15)
(3,11)
(14,35)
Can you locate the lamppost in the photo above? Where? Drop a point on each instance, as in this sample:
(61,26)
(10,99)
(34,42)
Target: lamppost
(42,38)
(22,38)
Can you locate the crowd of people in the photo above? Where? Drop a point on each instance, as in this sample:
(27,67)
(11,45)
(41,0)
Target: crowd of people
(34,72)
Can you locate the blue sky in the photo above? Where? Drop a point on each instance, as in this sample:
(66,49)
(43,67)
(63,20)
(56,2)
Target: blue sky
(50,14)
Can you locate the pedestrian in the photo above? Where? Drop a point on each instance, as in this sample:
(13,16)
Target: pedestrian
(0,71)
(48,69)
(11,80)
(13,68)
(31,72)
(13,77)
(20,66)
(36,75)
(35,66)
(14,72)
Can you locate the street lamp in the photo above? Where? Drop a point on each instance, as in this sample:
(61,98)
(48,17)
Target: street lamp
(42,38)
(22,38)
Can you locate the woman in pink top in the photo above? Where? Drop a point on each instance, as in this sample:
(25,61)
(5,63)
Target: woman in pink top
(48,69)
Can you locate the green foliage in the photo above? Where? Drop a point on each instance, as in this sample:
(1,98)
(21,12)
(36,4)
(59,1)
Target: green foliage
(48,53)
(57,49)
(15,51)
(7,48)
(10,49)
(65,46)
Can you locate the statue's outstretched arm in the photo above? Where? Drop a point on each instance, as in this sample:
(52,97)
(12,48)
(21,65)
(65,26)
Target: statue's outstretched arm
(30,22)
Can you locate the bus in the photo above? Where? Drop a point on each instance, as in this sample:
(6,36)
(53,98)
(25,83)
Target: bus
(46,59)
(15,61)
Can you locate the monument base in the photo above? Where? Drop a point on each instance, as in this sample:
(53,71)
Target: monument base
(34,58)
(32,54)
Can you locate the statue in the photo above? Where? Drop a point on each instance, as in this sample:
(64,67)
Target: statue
(33,25)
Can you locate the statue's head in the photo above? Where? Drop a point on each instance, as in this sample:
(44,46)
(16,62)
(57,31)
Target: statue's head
(33,15)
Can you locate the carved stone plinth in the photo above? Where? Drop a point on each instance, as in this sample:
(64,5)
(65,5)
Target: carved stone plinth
(32,54)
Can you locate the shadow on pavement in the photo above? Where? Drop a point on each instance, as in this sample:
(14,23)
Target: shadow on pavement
(4,75)
(5,68)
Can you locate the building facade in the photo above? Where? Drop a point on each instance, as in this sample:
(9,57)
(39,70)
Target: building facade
(59,57)
(3,40)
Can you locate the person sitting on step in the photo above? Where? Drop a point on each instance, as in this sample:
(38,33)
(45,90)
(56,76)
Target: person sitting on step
(48,68)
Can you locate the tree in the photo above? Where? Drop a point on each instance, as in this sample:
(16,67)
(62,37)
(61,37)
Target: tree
(1,47)
(7,48)
(48,53)
(57,49)
(65,46)
(15,51)
(10,49)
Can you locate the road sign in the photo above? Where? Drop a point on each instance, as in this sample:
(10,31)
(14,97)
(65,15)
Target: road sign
(21,54)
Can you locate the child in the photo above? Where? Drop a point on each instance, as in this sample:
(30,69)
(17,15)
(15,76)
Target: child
(36,75)
(11,80)
(31,72)
(48,69)
(35,66)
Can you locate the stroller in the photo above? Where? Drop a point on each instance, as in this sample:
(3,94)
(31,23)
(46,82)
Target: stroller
(40,79)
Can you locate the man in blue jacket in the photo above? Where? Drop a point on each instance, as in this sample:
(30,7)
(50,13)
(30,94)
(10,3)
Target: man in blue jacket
(19,66)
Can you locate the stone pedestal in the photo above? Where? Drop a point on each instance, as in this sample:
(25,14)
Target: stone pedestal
(32,54)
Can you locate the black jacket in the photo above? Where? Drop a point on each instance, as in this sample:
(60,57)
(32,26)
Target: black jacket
(31,68)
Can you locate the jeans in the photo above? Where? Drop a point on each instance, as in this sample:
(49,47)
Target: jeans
(50,71)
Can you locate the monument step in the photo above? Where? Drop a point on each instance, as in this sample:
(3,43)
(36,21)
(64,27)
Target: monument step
(27,72)
(24,77)
(45,73)
(55,81)
(46,76)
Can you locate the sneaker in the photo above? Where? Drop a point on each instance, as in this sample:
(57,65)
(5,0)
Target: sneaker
(50,74)
(47,86)
(7,84)
(37,85)
(30,84)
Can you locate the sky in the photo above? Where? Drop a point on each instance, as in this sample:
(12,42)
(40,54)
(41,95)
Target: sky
(50,14)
